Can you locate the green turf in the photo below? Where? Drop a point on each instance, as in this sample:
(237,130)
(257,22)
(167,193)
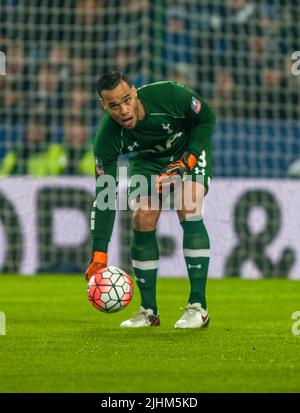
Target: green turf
(57,342)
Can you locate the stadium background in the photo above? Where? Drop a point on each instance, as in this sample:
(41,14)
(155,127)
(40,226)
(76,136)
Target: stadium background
(236,53)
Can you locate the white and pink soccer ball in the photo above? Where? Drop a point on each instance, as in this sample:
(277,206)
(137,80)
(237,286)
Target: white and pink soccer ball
(110,289)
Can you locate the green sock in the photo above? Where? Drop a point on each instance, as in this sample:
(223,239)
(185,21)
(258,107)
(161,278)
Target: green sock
(196,252)
(145,255)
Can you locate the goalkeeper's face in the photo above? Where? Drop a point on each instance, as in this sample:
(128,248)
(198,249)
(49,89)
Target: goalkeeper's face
(123,105)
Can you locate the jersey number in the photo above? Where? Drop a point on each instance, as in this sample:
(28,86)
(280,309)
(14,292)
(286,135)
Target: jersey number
(202,164)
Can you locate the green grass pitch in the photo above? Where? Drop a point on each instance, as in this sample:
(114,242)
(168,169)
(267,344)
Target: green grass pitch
(57,342)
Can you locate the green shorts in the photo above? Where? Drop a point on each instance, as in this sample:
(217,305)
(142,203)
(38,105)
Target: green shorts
(150,168)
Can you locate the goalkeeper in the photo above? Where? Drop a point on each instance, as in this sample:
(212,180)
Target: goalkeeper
(168,129)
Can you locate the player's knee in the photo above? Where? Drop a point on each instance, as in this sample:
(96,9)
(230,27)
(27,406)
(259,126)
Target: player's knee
(144,221)
(190,205)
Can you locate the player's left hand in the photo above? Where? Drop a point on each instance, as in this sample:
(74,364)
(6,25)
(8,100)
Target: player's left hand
(98,261)
(176,171)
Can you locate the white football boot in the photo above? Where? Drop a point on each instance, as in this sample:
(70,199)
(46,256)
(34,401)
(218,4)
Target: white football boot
(193,317)
(145,318)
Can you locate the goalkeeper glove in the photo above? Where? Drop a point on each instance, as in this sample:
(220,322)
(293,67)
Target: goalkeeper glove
(98,261)
(176,170)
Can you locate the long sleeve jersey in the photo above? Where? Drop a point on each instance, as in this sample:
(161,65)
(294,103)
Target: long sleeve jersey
(176,120)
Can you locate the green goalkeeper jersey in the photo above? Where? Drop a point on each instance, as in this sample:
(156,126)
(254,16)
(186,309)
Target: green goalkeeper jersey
(176,119)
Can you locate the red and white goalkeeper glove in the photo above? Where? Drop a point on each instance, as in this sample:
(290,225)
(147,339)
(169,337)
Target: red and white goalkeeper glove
(98,261)
(175,171)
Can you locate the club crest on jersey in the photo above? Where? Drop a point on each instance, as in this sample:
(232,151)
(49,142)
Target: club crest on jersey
(167,127)
(99,166)
(133,146)
(196,105)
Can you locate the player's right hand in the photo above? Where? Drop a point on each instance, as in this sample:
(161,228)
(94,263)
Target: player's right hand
(98,261)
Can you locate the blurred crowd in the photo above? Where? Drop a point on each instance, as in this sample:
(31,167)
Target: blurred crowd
(235,53)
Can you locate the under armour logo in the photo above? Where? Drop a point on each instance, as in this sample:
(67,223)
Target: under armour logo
(141,280)
(199,266)
(131,147)
(167,127)
(199,171)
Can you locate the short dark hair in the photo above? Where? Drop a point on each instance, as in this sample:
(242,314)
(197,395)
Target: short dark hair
(110,80)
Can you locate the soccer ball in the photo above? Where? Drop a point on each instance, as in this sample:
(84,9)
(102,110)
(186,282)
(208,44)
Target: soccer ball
(110,289)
